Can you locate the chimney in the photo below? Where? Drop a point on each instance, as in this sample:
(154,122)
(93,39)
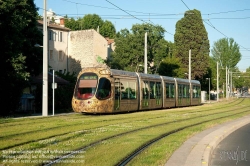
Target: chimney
(62,22)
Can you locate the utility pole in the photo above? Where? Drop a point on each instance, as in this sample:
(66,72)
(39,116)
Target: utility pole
(228,81)
(231,84)
(145,55)
(189,65)
(45,62)
(226,85)
(217,81)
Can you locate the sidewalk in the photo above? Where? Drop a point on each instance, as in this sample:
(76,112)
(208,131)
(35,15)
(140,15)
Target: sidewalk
(197,150)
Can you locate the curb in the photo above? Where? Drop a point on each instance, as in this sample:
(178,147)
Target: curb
(213,139)
(198,150)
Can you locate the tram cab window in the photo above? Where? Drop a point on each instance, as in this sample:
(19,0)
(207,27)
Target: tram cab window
(104,89)
(86,86)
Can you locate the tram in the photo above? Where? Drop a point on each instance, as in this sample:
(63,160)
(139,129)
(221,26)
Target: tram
(105,90)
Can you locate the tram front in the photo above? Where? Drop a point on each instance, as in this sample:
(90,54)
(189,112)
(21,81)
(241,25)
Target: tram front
(92,93)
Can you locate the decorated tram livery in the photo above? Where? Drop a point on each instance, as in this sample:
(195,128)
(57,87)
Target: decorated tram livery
(104,90)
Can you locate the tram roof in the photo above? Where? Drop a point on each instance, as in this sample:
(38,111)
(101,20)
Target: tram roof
(115,72)
(167,78)
(195,82)
(149,76)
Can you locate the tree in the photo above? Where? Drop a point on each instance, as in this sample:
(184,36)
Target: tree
(129,52)
(19,58)
(108,29)
(92,21)
(169,65)
(191,34)
(72,24)
(227,52)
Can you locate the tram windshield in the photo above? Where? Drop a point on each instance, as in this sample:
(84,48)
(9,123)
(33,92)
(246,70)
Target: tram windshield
(104,89)
(86,86)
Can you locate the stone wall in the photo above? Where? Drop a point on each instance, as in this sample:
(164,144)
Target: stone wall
(84,48)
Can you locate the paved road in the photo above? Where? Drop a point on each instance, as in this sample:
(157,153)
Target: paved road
(234,150)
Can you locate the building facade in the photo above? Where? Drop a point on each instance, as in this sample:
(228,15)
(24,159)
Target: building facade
(57,46)
(86,49)
(70,51)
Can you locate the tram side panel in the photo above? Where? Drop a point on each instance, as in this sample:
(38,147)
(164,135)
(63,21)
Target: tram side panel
(126,94)
(150,91)
(195,92)
(168,84)
(183,97)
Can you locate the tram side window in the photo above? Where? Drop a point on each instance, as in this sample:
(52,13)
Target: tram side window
(196,91)
(145,90)
(180,90)
(199,91)
(168,90)
(117,89)
(152,90)
(128,89)
(172,91)
(184,91)
(104,89)
(132,88)
(158,90)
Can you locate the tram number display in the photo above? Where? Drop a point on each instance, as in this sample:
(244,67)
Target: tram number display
(88,77)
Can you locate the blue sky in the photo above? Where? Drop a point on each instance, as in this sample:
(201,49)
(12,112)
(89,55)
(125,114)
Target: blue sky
(222,18)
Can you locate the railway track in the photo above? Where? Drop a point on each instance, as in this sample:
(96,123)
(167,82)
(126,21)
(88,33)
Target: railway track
(137,151)
(75,125)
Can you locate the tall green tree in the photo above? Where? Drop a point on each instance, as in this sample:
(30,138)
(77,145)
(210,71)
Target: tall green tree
(72,24)
(108,29)
(19,58)
(91,21)
(129,52)
(227,52)
(191,34)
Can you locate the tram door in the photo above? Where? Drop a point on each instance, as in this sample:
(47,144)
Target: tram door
(117,94)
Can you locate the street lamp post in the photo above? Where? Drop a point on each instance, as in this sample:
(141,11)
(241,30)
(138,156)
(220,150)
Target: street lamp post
(45,62)
(145,55)
(208,87)
(189,65)
(218,81)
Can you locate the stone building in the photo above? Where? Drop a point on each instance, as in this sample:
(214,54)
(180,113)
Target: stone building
(86,48)
(70,51)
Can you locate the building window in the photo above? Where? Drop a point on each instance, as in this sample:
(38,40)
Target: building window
(51,55)
(50,35)
(60,56)
(54,36)
(60,37)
